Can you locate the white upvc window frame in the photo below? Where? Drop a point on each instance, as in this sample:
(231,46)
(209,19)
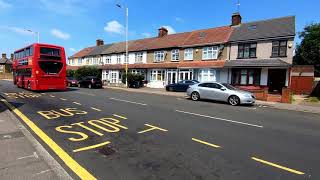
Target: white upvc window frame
(126,59)
(175,55)
(210,52)
(108,60)
(138,57)
(158,56)
(157,75)
(118,57)
(188,52)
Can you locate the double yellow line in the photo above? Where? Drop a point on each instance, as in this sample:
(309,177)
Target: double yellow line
(64,156)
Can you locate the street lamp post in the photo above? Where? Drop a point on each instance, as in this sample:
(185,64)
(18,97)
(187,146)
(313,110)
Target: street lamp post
(126,29)
(37,33)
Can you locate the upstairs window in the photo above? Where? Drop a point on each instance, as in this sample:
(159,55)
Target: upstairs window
(210,53)
(126,59)
(118,59)
(247,50)
(138,57)
(175,55)
(108,60)
(188,54)
(279,49)
(158,56)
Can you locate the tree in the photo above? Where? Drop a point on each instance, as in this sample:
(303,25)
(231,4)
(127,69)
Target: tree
(308,51)
(134,80)
(70,73)
(87,71)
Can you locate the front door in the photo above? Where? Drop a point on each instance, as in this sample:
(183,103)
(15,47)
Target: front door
(171,76)
(276,80)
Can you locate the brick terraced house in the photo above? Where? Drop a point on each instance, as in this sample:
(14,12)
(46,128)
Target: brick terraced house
(249,55)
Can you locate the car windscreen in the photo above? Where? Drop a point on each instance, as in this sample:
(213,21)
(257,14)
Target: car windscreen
(50,67)
(228,86)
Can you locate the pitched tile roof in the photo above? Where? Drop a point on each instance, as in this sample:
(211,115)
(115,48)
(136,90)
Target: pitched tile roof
(83,52)
(257,63)
(5,61)
(265,29)
(193,38)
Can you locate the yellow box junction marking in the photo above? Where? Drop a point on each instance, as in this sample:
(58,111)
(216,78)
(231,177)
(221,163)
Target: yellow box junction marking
(278,166)
(64,156)
(76,103)
(91,147)
(63,99)
(152,128)
(96,109)
(122,117)
(206,143)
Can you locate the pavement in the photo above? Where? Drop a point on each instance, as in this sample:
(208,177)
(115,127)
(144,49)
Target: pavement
(310,107)
(22,156)
(116,134)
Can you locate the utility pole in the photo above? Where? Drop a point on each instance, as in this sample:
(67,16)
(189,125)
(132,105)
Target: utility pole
(34,32)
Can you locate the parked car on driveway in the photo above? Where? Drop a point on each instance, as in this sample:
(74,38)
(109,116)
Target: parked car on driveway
(181,85)
(90,82)
(220,92)
(71,81)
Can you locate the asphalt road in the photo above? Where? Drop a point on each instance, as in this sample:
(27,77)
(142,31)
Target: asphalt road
(114,134)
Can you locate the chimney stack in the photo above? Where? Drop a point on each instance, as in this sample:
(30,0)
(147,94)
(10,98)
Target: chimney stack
(4,56)
(236,19)
(162,32)
(99,42)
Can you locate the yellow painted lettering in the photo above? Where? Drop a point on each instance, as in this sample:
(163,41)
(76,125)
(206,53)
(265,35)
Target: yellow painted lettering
(82,137)
(113,128)
(114,122)
(48,114)
(76,111)
(87,128)
(66,113)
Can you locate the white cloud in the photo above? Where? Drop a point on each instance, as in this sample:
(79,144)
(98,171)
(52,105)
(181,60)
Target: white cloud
(178,19)
(72,50)
(170,29)
(114,27)
(59,34)
(16,30)
(146,34)
(4,4)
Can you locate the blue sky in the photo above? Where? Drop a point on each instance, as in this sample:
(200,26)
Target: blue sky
(76,24)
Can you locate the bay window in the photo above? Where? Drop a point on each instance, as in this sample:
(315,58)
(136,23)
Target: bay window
(246,76)
(210,52)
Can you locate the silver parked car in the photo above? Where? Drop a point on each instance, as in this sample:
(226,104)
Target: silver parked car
(220,92)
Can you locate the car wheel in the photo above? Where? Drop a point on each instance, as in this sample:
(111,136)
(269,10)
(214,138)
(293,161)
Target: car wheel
(234,100)
(195,96)
(90,86)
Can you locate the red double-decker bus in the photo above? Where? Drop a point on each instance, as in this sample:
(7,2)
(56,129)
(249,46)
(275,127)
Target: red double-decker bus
(40,67)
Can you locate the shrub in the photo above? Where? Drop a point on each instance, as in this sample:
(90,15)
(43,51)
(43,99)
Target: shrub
(70,73)
(134,80)
(87,71)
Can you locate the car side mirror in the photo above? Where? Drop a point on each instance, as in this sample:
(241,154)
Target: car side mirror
(223,89)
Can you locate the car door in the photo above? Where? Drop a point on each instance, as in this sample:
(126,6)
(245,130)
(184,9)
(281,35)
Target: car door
(215,91)
(186,84)
(204,90)
(179,86)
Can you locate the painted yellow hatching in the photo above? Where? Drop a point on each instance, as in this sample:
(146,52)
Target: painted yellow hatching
(64,156)
(206,143)
(277,166)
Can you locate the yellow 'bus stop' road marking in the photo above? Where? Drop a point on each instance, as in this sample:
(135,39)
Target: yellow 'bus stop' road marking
(206,143)
(64,156)
(91,147)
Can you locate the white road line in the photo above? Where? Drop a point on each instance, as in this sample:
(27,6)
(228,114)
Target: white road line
(220,119)
(128,101)
(77,103)
(96,109)
(89,94)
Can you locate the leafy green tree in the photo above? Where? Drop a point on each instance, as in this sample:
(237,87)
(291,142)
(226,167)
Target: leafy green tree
(134,80)
(87,71)
(308,51)
(70,73)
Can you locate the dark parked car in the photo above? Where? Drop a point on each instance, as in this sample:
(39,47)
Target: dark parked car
(181,85)
(90,82)
(71,81)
